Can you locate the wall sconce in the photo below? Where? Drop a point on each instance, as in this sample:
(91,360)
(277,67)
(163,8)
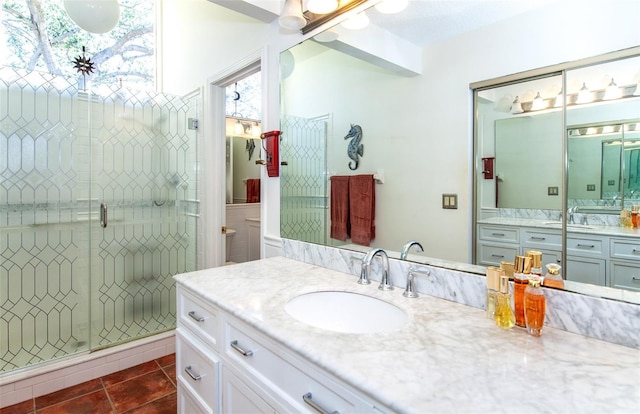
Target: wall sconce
(94,16)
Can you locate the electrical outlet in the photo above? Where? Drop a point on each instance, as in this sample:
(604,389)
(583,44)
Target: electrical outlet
(450,201)
(591,187)
(611,182)
(552,191)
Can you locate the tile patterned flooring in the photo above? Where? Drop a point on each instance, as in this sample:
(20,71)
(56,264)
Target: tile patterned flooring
(148,388)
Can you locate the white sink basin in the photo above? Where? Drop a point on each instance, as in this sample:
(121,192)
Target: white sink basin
(346,312)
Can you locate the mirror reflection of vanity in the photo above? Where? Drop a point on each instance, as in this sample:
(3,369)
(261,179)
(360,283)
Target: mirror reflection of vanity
(325,80)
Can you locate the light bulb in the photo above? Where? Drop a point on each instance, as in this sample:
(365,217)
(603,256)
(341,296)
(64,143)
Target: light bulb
(584,95)
(391,6)
(94,16)
(538,103)
(612,91)
(322,6)
(516,106)
(359,21)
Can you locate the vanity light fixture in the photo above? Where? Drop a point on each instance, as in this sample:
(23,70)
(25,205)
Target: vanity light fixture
(238,128)
(612,91)
(391,6)
(559,100)
(516,106)
(356,22)
(538,103)
(256,130)
(322,6)
(291,17)
(584,95)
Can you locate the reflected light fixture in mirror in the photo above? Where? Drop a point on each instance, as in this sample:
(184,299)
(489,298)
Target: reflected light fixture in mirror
(584,95)
(391,6)
(516,106)
(612,91)
(291,17)
(94,16)
(356,22)
(559,100)
(322,6)
(538,103)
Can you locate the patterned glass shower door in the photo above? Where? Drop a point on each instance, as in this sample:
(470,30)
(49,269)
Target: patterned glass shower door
(303,182)
(67,284)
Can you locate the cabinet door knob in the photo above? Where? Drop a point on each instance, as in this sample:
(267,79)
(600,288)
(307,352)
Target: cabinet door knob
(307,398)
(234,345)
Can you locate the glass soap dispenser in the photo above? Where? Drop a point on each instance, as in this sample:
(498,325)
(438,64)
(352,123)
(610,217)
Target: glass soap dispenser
(534,307)
(503,316)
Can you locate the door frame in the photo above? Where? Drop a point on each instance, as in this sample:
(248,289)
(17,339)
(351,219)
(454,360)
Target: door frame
(213,155)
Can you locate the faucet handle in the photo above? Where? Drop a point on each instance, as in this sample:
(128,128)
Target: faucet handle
(409,291)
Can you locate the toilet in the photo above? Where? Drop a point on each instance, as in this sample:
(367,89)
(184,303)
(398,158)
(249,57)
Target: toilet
(230,233)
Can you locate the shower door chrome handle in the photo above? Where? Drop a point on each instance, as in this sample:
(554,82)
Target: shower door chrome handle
(103,215)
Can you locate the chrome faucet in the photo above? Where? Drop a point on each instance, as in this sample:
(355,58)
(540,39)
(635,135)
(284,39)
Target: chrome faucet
(366,268)
(414,271)
(570,212)
(407,247)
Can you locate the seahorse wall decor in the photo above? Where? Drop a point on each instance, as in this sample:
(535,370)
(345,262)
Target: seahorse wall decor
(355,149)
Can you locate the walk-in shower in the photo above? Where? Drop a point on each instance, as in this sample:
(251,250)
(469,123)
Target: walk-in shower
(98,210)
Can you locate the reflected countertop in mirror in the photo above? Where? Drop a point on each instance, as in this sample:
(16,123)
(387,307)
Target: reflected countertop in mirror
(610,231)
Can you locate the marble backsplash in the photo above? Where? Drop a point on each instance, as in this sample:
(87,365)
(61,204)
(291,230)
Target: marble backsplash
(604,319)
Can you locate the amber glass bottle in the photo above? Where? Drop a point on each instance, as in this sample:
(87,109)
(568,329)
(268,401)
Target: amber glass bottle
(553,277)
(535,307)
(521,272)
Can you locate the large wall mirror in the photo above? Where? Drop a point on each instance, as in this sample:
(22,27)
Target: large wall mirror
(325,89)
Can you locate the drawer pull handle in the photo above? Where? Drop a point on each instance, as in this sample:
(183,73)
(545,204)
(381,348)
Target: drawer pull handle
(635,278)
(500,256)
(196,317)
(635,251)
(192,374)
(498,234)
(586,246)
(234,345)
(307,398)
(538,238)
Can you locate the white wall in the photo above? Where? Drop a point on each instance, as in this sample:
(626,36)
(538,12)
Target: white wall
(200,39)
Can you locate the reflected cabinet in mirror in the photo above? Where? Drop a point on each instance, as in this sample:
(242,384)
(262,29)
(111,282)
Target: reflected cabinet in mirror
(524,127)
(415,135)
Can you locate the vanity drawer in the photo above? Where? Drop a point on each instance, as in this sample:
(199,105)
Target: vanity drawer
(625,249)
(198,371)
(586,246)
(259,358)
(499,234)
(492,255)
(199,317)
(541,239)
(625,275)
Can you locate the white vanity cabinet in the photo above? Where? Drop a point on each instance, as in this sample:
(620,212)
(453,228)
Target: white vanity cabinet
(234,368)
(591,258)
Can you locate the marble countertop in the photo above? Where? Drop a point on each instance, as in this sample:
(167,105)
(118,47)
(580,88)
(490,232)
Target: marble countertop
(448,358)
(610,231)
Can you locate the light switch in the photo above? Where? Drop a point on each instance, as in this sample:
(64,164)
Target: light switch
(449,201)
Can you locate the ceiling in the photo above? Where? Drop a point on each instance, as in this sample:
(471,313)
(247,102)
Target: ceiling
(428,21)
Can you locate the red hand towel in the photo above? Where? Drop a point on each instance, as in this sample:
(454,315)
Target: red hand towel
(362,206)
(339,207)
(253,190)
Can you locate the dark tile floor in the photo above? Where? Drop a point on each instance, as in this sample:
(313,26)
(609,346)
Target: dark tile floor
(148,388)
